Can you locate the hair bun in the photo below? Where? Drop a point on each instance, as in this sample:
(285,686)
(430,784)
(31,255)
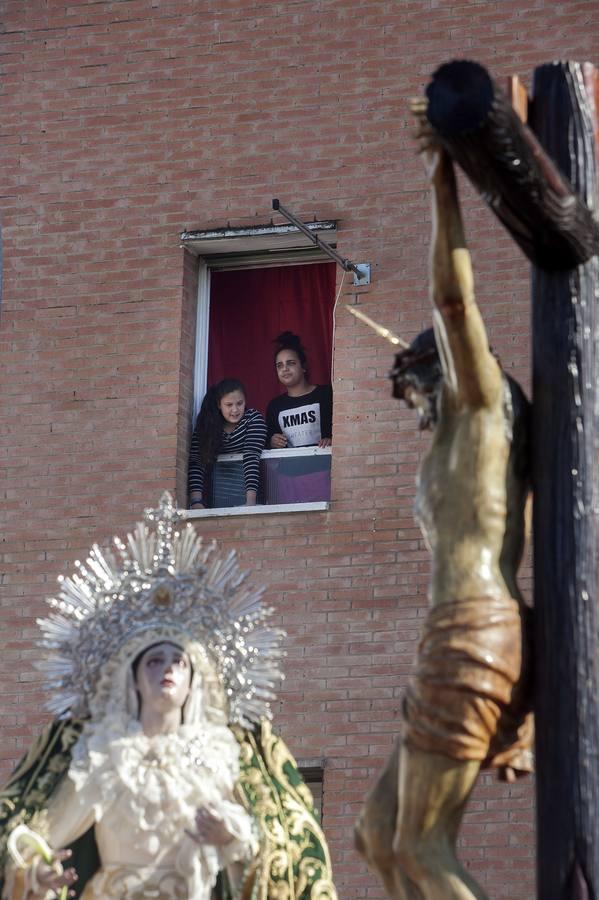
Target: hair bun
(288,338)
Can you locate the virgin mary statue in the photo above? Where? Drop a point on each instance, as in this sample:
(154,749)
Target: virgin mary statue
(160,776)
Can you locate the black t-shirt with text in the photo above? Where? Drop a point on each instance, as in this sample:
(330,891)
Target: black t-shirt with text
(303,420)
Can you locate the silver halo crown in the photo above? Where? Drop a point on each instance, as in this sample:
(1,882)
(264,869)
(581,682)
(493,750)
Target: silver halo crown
(162,578)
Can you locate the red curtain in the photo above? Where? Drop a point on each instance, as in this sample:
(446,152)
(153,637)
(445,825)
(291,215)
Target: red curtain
(250,307)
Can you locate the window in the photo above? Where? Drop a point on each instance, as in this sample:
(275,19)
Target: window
(253,284)
(313,777)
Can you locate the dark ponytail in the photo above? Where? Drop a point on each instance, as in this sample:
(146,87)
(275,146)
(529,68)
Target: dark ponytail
(209,424)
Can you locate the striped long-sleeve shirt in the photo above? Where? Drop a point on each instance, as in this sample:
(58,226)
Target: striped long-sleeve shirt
(248,437)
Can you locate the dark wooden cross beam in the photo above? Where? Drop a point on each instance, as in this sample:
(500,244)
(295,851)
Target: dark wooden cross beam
(541,181)
(505,161)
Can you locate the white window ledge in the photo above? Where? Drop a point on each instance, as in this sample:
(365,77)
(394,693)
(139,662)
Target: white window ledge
(258,510)
(286,453)
(256,238)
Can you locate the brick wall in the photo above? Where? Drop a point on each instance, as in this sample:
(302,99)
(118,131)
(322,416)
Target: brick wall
(124,123)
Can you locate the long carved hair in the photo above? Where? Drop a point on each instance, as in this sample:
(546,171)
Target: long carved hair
(420,366)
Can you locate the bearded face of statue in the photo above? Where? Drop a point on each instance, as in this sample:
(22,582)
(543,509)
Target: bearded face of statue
(417,377)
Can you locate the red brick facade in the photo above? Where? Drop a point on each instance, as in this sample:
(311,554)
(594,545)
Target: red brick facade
(124,123)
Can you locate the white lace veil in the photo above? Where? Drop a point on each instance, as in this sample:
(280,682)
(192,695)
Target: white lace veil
(116,694)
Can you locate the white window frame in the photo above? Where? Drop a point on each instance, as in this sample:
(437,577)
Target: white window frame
(316,506)
(258,247)
(261,247)
(200,366)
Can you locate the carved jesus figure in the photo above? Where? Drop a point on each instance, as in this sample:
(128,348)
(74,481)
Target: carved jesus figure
(468,702)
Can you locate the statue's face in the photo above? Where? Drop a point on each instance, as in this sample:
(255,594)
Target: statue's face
(417,380)
(425,404)
(163,677)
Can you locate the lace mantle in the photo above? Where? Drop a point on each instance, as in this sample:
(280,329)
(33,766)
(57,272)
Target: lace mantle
(153,786)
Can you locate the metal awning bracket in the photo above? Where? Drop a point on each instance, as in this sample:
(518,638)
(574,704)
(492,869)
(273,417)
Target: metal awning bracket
(361,270)
(362,276)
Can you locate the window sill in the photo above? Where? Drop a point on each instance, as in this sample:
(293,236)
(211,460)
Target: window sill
(258,510)
(287,453)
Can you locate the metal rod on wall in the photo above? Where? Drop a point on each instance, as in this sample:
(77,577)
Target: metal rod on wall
(361,270)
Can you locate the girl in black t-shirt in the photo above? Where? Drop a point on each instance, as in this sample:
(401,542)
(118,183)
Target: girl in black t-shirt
(303,416)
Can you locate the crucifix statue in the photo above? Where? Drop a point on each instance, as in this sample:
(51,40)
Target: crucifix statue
(469,700)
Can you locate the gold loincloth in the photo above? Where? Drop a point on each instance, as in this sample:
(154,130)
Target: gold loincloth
(470,697)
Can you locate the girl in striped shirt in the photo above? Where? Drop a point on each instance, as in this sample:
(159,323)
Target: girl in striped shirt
(224,425)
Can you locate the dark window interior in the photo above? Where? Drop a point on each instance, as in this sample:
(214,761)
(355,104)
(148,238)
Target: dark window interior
(250,307)
(313,776)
